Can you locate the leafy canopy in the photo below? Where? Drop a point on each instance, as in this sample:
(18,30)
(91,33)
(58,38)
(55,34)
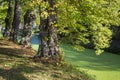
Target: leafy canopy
(80,21)
(83,21)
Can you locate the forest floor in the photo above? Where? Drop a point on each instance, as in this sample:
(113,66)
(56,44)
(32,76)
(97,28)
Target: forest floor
(16,63)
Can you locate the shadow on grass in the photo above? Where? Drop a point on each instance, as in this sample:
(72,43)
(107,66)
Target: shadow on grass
(21,67)
(4,44)
(12,52)
(17,72)
(14,65)
(11,74)
(89,60)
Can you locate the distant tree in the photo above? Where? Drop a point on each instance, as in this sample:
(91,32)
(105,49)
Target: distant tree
(29,19)
(3,11)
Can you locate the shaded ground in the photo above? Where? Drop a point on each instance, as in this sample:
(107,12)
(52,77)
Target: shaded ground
(16,64)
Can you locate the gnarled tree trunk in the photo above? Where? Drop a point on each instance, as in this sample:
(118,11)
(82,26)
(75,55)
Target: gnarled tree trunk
(49,47)
(8,19)
(16,21)
(29,19)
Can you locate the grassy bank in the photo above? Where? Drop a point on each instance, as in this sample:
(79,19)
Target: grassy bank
(103,67)
(16,63)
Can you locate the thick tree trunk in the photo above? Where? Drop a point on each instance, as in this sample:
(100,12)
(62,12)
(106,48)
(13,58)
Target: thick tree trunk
(29,19)
(8,19)
(49,47)
(16,21)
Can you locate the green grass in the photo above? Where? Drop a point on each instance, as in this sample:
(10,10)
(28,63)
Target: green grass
(1,35)
(103,67)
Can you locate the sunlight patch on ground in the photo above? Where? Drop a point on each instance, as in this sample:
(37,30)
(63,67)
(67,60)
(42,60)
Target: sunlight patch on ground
(103,67)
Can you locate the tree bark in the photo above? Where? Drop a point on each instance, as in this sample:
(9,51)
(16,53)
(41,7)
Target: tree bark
(8,19)
(49,47)
(16,21)
(29,19)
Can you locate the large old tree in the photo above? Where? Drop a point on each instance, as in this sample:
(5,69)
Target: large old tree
(49,46)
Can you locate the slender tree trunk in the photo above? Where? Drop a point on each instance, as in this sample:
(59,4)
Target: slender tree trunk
(29,19)
(16,21)
(49,46)
(8,19)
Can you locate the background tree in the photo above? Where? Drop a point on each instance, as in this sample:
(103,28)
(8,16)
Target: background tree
(3,11)
(16,21)
(29,19)
(8,19)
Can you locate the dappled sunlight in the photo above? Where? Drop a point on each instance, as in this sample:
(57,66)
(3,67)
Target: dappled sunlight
(16,63)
